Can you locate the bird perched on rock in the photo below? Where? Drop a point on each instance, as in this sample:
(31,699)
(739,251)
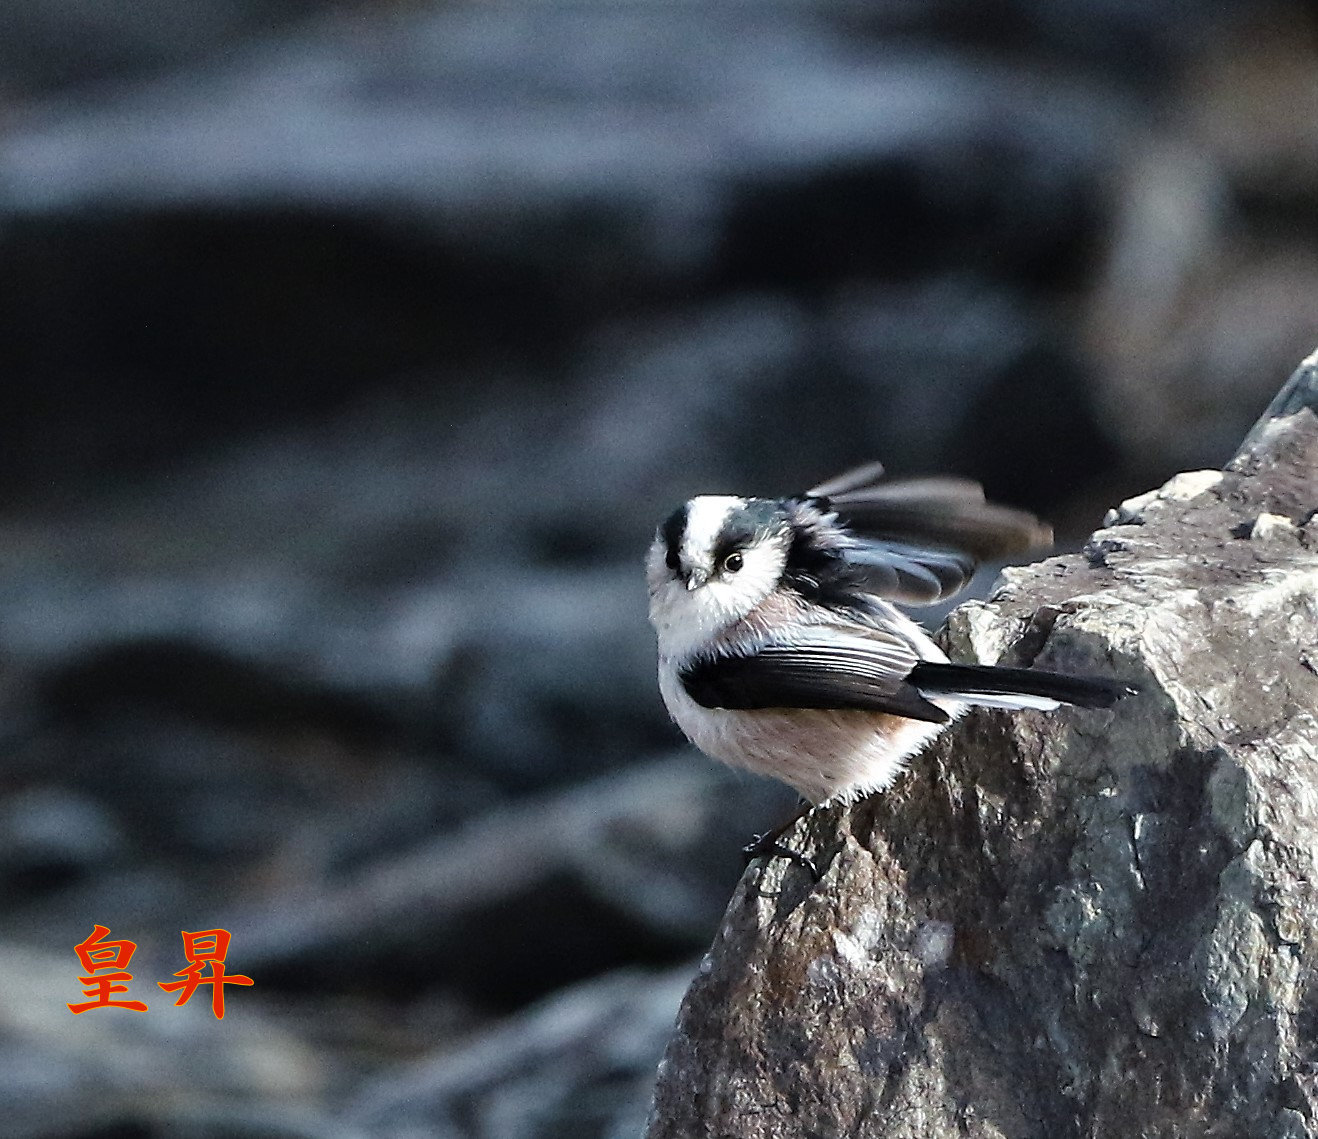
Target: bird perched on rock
(781,650)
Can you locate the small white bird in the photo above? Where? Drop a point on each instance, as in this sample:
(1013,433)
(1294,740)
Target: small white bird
(780,650)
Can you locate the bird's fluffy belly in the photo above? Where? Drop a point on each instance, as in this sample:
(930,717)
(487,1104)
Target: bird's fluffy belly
(823,754)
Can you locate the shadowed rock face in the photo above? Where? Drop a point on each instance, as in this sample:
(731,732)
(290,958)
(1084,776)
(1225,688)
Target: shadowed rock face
(1085,923)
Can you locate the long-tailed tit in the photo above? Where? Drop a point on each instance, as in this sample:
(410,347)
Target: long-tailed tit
(780,648)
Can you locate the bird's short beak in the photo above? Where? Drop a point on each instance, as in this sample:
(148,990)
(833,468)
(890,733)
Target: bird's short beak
(696,578)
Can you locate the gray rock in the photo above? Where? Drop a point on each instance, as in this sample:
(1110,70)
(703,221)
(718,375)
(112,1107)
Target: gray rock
(473,115)
(1083,923)
(49,834)
(46,43)
(950,372)
(632,866)
(405,190)
(157,821)
(167,1071)
(579,1063)
(462,566)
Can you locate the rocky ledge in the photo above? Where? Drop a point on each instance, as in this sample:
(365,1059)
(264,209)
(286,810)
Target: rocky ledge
(1076,924)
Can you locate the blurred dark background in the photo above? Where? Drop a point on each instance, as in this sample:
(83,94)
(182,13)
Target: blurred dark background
(350,354)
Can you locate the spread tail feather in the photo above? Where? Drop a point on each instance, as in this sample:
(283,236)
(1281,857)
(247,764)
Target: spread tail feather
(1016,687)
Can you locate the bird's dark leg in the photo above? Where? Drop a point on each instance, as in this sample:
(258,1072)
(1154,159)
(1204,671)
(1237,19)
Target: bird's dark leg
(767,845)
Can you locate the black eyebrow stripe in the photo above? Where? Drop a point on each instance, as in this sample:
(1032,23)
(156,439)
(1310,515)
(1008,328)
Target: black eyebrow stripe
(756,520)
(672,530)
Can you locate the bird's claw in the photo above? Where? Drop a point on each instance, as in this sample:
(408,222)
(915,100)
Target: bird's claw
(768,846)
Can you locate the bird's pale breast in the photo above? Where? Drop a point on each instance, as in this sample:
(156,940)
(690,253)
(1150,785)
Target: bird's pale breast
(822,753)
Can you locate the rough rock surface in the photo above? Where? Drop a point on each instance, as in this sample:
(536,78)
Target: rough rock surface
(1078,924)
(440,194)
(578,1063)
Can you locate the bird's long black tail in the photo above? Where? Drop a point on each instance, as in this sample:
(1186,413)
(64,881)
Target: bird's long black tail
(971,680)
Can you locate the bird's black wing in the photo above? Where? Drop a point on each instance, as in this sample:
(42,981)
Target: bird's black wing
(950,513)
(823,668)
(919,540)
(909,574)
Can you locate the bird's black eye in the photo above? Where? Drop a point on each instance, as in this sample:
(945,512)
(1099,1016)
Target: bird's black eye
(671,560)
(732,563)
